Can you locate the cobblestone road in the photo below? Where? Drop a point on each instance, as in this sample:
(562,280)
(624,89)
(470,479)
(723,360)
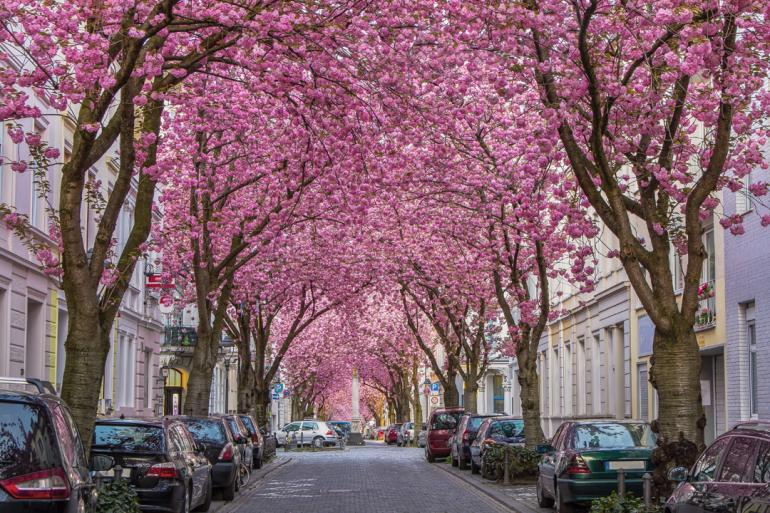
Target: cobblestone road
(372,479)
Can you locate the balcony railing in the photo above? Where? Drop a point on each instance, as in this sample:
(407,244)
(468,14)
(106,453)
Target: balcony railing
(181,336)
(706,315)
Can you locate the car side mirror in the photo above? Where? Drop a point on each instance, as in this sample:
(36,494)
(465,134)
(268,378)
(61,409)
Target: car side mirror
(102,462)
(545,448)
(678,474)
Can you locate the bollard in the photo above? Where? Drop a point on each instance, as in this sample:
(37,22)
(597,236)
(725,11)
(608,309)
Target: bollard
(647,481)
(118,472)
(506,468)
(302,439)
(622,483)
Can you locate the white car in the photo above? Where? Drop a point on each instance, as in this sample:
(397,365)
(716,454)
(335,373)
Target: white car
(307,432)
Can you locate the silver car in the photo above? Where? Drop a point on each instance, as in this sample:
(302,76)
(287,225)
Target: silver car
(307,432)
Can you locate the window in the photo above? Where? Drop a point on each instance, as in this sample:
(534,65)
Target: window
(498,394)
(28,443)
(710,265)
(744,200)
(762,467)
(706,467)
(148,378)
(612,436)
(736,461)
(677,274)
(644,384)
(207,431)
(129,438)
(751,335)
(581,376)
(596,375)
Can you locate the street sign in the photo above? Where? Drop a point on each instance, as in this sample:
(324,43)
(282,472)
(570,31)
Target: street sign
(286,393)
(434,400)
(276,395)
(158,281)
(278,387)
(166,304)
(435,387)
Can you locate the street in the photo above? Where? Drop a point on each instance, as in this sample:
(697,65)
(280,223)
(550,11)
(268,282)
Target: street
(371,479)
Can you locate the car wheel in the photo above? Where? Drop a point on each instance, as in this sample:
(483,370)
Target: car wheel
(429,456)
(207,501)
(318,442)
(542,500)
(228,493)
(561,506)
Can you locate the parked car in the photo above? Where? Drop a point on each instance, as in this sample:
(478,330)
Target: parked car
(494,430)
(307,432)
(42,463)
(405,434)
(582,460)
(241,437)
(421,437)
(460,450)
(257,440)
(391,434)
(165,466)
(441,427)
(344,426)
(732,474)
(219,448)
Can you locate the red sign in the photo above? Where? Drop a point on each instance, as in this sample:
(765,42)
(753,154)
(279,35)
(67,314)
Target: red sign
(166,300)
(156,281)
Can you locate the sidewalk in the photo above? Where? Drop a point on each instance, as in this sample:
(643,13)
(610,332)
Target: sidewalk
(521,498)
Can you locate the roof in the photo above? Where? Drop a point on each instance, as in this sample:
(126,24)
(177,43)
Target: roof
(158,422)
(760,427)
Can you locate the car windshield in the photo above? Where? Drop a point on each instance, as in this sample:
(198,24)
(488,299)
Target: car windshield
(506,428)
(249,425)
(612,436)
(206,431)
(445,421)
(128,438)
(26,440)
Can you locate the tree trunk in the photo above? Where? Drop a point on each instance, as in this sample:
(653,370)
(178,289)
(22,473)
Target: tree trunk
(529,392)
(247,386)
(196,401)
(262,405)
(470,397)
(451,396)
(675,374)
(417,404)
(79,388)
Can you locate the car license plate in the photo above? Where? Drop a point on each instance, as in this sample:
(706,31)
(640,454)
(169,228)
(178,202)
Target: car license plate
(626,465)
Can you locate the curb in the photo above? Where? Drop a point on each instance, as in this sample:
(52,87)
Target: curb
(499,497)
(255,479)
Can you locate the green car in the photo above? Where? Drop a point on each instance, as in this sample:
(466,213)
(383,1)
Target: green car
(582,461)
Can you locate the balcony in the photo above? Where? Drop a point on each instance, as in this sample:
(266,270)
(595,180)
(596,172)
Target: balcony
(706,315)
(181,338)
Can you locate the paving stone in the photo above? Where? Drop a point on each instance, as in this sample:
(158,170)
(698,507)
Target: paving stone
(371,479)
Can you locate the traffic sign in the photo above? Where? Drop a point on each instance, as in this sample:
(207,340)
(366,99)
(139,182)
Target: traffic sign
(276,395)
(435,387)
(278,387)
(166,304)
(434,400)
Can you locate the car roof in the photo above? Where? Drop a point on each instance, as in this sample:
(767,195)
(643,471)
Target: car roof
(755,427)
(606,421)
(157,422)
(24,396)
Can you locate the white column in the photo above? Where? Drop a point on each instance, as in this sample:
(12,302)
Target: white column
(355,399)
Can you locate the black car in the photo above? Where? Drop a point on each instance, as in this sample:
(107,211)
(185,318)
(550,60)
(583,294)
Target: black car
(220,449)
(241,436)
(495,430)
(43,467)
(256,439)
(732,474)
(163,463)
(464,435)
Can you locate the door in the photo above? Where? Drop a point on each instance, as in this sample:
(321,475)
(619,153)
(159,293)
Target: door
(198,465)
(693,495)
(172,400)
(548,463)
